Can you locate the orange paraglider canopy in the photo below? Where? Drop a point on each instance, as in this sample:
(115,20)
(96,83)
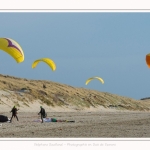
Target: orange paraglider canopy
(148,60)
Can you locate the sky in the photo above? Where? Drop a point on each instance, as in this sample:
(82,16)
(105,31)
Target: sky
(110,45)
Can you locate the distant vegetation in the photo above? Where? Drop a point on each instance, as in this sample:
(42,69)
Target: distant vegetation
(55,94)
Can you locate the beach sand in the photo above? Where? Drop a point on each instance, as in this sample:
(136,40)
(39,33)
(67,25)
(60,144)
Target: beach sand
(88,124)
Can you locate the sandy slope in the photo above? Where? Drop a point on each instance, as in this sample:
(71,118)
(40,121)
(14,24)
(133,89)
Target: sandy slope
(30,94)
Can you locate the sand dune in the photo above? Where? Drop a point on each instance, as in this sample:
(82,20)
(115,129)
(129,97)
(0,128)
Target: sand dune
(28,95)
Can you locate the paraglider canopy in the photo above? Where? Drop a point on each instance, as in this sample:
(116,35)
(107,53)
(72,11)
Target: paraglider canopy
(3,118)
(11,47)
(148,60)
(48,61)
(98,78)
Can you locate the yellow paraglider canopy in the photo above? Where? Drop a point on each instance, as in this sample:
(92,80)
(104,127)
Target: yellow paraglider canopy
(148,60)
(100,79)
(48,61)
(12,48)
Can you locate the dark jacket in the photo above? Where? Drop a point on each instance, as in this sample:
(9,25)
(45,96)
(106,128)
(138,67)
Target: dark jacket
(42,112)
(14,111)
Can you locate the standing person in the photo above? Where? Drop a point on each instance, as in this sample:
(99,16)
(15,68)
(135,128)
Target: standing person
(42,112)
(14,113)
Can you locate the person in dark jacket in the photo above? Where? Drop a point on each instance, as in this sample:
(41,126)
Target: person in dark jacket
(42,112)
(14,113)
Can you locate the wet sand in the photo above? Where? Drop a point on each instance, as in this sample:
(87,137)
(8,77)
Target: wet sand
(102,124)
